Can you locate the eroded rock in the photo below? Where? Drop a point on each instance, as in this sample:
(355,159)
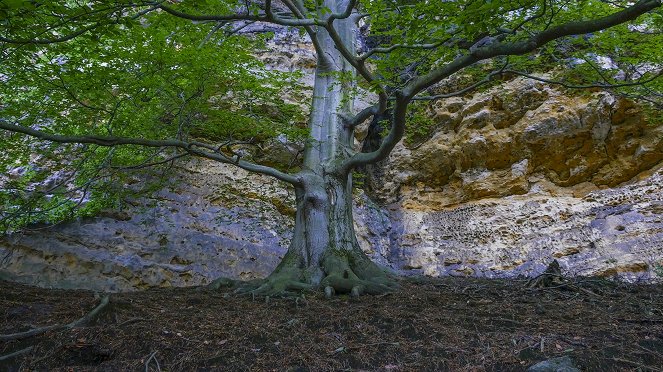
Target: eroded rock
(520,136)
(510,180)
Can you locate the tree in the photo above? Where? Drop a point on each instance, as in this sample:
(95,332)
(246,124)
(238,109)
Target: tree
(193,97)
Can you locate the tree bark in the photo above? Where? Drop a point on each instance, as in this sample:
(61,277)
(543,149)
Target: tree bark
(324,252)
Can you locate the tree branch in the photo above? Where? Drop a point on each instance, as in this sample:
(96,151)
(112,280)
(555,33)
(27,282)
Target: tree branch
(269,16)
(309,29)
(587,86)
(193,147)
(362,116)
(532,43)
(407,94)
(72,35)
(467,89)
(395,134)
(391,48)
(346,13)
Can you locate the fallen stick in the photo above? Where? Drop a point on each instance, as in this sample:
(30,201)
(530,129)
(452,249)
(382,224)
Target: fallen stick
(30,333)
(16,353)
(76,323)
(147,363)
(637,364)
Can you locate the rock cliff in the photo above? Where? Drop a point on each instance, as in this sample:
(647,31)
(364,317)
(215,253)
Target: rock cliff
(521,174)
(508,179)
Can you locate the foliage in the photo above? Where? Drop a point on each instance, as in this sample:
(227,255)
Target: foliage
(420,124)
(132,69)
(155,76)
(457,26)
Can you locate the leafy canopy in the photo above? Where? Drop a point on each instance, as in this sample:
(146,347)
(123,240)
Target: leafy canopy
(153,76)
(128,69)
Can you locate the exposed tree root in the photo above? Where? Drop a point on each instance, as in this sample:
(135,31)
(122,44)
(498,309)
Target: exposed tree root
(222,282)
(30,333)
(92,315)
(85,320)
(356,276)
(149,360)
(549,278)
(553,278)
(283,282)
(88,318)
(16,353)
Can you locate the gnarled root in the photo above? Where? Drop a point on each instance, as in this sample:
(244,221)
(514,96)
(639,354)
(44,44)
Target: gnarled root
(338,273)
(283,282)
(85,320)
(356,276)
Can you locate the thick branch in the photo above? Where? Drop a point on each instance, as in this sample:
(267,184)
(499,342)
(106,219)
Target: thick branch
(391,48)
(350,57)
(534,42)
(406,95)
(395,134)
(586,86)
(362,116)
(269,17)
(193,147)
(346,13)
(310,31)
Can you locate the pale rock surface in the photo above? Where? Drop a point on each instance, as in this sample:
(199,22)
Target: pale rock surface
(611,232)
(518,136)
(522,174)
(212,221)
(509,180)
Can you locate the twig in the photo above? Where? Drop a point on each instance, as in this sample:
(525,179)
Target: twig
(132,320)
(640,320)
(147,362)
(585,290)
(573,342)
(649,350)
(373,344)
(16,353)
(636,364)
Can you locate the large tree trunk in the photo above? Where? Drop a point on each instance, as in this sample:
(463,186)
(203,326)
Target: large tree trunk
(324,250)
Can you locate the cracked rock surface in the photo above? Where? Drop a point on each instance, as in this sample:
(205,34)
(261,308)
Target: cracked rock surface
(508,180)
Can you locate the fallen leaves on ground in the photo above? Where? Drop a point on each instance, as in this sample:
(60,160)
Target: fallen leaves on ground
(430,324)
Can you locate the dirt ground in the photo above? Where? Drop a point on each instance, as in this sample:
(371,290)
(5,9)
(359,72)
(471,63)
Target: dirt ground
(430,324)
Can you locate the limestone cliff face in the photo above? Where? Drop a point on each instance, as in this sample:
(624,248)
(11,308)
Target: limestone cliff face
(210,221)
(521,137)
(610,232)
(510,179)
(522,174)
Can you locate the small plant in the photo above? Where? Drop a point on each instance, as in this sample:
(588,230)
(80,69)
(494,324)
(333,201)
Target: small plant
(658,269)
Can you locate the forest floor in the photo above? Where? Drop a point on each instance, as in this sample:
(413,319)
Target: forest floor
(433,324)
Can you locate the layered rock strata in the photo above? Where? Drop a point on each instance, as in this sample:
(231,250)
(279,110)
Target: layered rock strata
(508,180)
